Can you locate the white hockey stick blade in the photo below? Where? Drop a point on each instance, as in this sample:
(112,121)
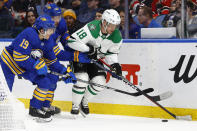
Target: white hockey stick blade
(166,95)
(187,118)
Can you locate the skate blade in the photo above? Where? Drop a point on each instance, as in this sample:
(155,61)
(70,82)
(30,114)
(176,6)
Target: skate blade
(82,113)
(41,120)
(74,116)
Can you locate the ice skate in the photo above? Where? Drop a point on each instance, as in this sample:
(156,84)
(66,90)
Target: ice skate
(40,115)
(74,111)
(52,110)
(84,109)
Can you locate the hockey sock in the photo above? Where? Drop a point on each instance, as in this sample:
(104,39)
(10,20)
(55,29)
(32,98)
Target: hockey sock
(77,94)
(38,99)
(49,99)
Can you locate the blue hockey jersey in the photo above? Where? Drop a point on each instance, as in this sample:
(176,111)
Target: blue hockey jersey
(17,56)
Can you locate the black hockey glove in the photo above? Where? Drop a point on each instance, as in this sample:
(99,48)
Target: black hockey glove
(92,54)
(117,69)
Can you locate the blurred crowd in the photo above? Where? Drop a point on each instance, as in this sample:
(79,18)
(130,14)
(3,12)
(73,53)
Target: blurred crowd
(16,15)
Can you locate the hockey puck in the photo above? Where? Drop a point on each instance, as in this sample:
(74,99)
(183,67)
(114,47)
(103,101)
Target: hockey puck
(164,120)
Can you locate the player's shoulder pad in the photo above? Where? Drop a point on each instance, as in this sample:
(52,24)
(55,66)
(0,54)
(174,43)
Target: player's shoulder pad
(116,36)
(62,27)
(94,28)
(62,22)
(29,33)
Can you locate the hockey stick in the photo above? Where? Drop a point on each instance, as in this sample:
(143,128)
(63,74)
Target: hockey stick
(160,97)
(148,90)
(188,117)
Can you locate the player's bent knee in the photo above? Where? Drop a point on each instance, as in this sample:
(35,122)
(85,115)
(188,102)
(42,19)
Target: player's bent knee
(83,76)
(43,82)
(99,80)
(79,90)
(53,87)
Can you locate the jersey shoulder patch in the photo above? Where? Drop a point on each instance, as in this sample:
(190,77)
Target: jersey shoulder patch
(94,28)
(116,36)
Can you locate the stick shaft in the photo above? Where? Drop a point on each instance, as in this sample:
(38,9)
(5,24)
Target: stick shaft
(133,86)
(148,90)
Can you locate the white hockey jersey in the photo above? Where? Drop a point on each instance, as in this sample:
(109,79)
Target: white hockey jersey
(106,45)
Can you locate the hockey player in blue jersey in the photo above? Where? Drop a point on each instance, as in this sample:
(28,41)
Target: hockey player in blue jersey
(60,35)
(16,59)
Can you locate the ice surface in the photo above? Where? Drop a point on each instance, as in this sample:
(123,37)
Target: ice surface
(95,122)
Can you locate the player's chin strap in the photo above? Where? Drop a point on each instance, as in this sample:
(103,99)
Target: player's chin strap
(187,117)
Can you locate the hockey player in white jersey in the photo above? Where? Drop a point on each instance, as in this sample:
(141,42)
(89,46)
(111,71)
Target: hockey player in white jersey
(98,38)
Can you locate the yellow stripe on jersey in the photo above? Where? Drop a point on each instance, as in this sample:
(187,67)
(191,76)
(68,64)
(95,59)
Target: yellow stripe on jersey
(40,65)
(9,61)
(76,56)
(56,53)
(19,57)
(56,50)
(48,62)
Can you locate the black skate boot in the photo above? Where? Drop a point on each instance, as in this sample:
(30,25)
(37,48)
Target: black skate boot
(40,115)
(84,109)
(75,109)
(52,110)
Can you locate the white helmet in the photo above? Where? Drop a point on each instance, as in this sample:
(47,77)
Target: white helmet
(111,16)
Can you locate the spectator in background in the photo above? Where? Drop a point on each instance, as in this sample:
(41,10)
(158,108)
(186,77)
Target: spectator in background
(6,21)
(76,5)
(30,18)
(122,23)
(115,4)
(98,15)
(146,20)
(88,14)
(191,21)
(161,14)
(21,5)
(133,27)
(71,20)
(8,3)
(174,16)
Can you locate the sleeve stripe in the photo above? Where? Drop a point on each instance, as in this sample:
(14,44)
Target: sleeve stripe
(19,57)
(55,47)
(51,62)
(7,58)
(76,56)
(56,50)
(40,65)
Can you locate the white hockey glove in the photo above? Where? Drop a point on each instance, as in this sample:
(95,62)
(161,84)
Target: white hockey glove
(36,54)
